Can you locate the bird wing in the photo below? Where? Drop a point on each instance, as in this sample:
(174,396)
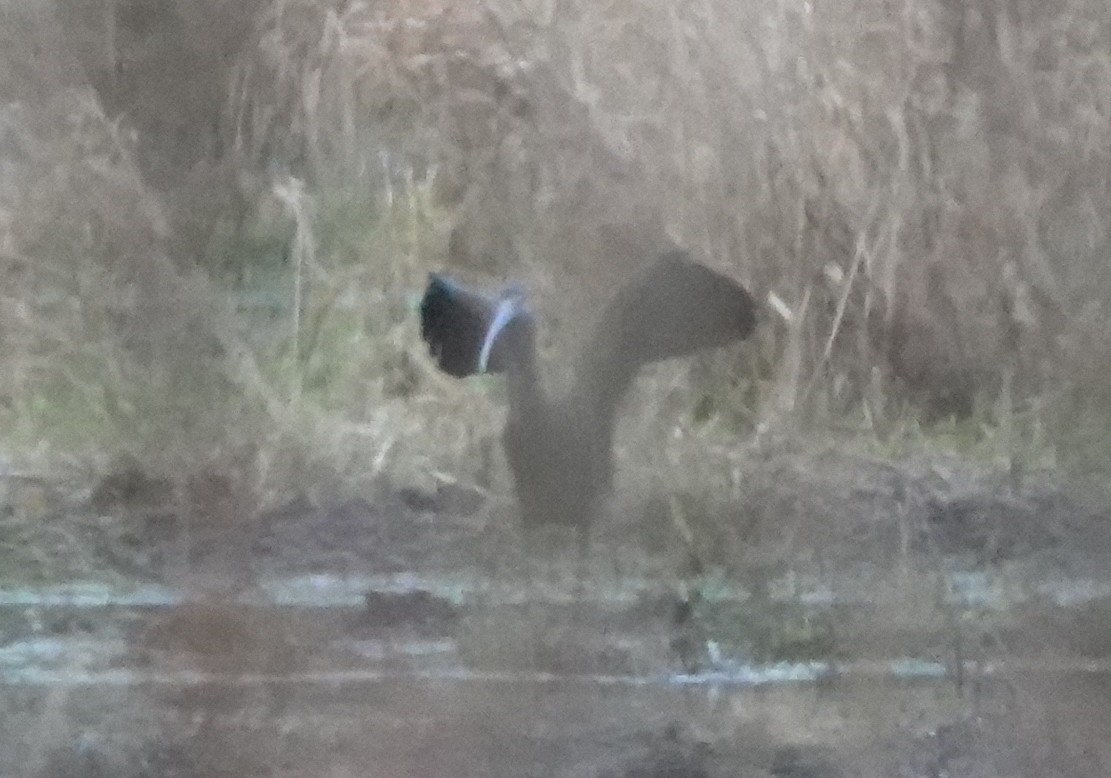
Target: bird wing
(676,308)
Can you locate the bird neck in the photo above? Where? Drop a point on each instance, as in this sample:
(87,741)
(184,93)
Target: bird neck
(526,394)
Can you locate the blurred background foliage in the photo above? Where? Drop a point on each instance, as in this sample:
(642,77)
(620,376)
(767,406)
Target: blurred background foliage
(216,218)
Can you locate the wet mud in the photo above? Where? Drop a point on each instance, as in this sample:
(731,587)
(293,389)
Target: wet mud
(925,620)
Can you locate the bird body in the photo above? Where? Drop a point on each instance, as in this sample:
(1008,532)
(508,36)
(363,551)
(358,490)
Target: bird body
(560,451)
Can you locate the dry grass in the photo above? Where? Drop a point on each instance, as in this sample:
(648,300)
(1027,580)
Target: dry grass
(914,188)
(215,219)
(899,179)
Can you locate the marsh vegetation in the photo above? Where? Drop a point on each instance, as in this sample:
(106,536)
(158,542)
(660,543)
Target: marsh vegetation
(216,220)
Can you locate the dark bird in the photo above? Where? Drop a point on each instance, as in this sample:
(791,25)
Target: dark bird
(560,451)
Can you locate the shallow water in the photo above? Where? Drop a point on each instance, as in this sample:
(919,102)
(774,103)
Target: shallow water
(302,676)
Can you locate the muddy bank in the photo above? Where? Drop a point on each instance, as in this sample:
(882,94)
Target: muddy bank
(838,616)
